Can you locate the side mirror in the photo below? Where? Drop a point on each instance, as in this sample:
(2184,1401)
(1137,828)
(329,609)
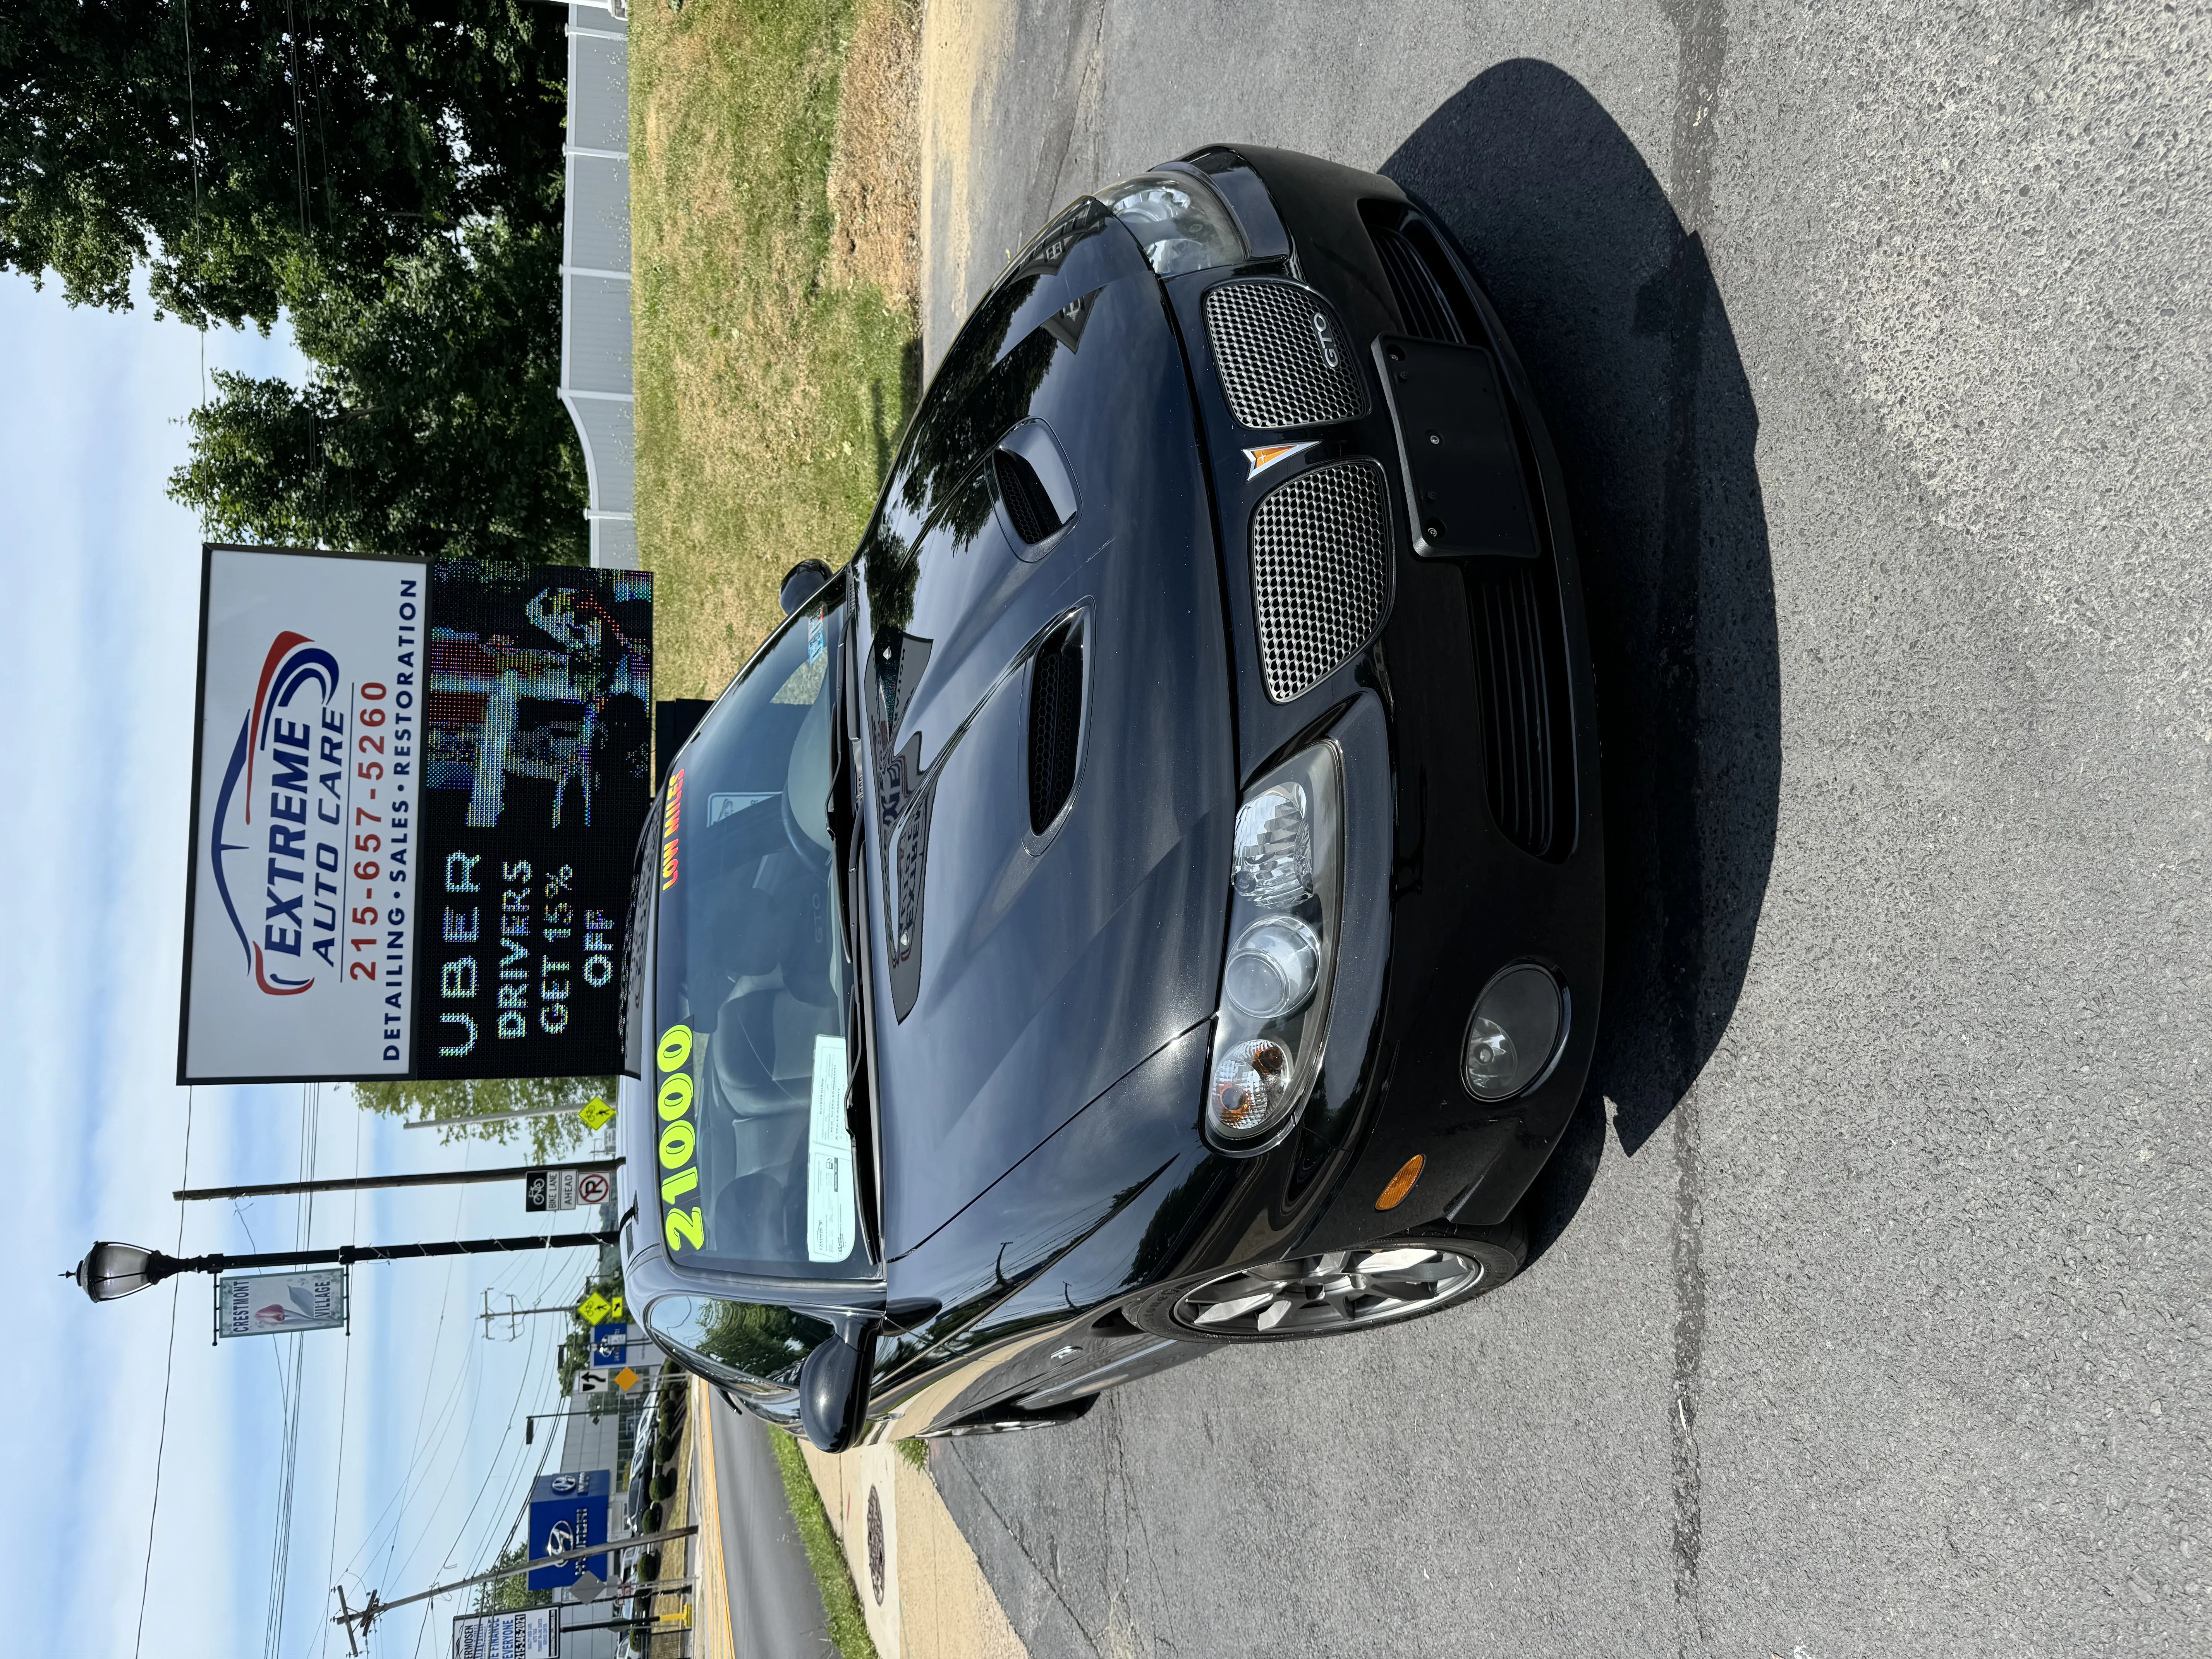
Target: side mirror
(833,1391)
(801,583)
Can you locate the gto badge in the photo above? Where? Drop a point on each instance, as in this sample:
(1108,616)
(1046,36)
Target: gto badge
(1328,351)
(1268,454)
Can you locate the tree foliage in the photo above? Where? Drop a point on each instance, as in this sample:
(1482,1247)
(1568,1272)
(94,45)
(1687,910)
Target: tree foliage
(510,1594)
(332,136)
(550,1138)
(430,424)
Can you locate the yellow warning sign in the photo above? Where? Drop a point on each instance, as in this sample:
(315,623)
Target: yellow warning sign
(594,1309)
(626,1379)
(596,1113)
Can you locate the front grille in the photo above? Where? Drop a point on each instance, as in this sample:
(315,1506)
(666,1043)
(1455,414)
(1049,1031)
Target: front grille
(1282,355)
(1321,573)
(1528,745)
(1433,303)
(1055,721)
(1028,506)
(1422,308)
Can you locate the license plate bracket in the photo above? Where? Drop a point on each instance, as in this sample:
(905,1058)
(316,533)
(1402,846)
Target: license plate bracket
(1466,495)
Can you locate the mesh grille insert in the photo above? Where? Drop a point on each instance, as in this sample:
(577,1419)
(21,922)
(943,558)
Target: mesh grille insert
(1282,355)
(1055,721)
(1320,572)
(1027,504)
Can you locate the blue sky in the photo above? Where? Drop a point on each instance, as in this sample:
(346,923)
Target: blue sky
(103,571)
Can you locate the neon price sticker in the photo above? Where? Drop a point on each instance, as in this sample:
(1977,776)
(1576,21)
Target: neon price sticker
(685,1228)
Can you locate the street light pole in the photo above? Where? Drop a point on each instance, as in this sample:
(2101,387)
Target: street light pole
(465,1119)
(111,1271)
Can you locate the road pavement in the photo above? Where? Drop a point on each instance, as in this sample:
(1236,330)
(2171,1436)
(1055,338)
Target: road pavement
(774,1604)
(1870,1313)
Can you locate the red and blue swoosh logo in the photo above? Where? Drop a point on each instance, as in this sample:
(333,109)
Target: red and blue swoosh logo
(294,663)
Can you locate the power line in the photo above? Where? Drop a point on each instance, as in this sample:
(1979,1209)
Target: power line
(345,1389)
(293,1397)
(192,148)
(169,1376)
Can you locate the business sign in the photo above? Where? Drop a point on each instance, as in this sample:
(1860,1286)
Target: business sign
(417,793)
(568,1512)
(535,1634)
(271,1305)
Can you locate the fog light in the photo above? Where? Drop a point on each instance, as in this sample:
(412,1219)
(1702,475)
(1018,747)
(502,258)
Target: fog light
(1271,971)
(1512,1034)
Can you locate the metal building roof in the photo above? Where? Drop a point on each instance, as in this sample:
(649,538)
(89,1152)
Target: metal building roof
(595,357)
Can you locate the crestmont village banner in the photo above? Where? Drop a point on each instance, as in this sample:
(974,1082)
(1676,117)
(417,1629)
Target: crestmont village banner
(418,792)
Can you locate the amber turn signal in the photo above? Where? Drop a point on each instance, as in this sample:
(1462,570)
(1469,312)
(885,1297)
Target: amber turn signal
(1401,1184)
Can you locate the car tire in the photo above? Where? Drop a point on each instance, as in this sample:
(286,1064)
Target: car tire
(1337,1293)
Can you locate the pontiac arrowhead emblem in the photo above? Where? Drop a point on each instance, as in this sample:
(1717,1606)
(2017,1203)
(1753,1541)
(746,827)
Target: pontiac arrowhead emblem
(1268,454)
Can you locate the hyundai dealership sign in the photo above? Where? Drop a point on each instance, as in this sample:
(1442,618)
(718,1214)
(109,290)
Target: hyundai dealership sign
(568,1512)
(417,791)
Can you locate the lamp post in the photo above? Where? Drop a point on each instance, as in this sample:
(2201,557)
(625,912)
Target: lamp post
(110,1272)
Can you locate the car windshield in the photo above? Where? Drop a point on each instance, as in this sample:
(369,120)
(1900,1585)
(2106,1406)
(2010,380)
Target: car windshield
(752,987)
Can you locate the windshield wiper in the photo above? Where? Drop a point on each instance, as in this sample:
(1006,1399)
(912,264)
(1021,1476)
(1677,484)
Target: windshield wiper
(844,824)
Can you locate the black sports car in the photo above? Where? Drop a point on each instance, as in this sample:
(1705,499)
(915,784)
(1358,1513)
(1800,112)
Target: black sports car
(1154,896)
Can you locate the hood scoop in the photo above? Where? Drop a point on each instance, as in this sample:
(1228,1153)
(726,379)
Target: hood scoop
(1034,485)
(1055,724)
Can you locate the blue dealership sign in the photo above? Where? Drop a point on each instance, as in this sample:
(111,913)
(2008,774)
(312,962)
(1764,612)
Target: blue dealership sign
(568,1512)
(609,1344)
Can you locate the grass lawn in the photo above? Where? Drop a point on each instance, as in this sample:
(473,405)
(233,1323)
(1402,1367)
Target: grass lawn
(772,375)
(841,1602)
(776,353)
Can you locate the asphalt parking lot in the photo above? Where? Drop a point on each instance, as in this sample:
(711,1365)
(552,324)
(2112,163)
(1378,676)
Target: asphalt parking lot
(1870,1312)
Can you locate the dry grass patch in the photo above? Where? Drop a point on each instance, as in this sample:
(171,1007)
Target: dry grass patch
(875,162)
(772,378)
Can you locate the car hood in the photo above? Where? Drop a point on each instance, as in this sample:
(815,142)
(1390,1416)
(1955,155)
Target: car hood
(1040,966)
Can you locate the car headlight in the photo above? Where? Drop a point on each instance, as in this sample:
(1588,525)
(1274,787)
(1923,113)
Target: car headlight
(1181,223)
(1283,925)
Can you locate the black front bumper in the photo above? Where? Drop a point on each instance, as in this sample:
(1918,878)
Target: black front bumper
(1482,670)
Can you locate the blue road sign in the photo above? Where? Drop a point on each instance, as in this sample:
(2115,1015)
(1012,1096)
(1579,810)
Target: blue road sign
(568,1512)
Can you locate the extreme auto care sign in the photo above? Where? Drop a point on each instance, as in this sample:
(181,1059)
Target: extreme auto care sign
(418,790)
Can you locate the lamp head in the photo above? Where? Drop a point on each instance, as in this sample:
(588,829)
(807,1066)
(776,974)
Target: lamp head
(110,1271)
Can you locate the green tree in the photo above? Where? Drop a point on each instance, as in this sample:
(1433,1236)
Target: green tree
(330,134)
(550,1138)
(430,423)
(511,1593)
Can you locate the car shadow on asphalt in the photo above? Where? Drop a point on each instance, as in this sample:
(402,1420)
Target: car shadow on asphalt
(1610,304)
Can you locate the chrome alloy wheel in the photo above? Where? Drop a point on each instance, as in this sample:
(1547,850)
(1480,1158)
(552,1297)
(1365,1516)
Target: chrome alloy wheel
(1319,1295)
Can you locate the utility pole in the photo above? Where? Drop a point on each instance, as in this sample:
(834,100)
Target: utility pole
(514,1315)
(466,1119)
(376,1607)
(365,1183)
